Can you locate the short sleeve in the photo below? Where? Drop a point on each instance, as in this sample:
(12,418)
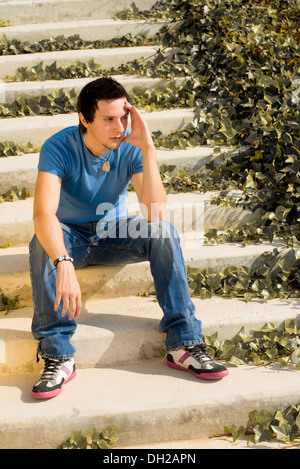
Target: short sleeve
(52,159)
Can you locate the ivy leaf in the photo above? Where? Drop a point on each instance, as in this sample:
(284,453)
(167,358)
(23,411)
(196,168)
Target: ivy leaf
(261,434)
(103,444)
(110,434)
(236,432)
(260,417)
(282,432)
(76,438)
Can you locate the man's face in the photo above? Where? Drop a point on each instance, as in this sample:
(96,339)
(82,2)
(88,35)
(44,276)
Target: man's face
(107,130)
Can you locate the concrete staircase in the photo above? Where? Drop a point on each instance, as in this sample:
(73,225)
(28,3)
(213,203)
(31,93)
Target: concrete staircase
(122,379)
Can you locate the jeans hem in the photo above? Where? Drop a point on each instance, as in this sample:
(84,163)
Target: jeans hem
(43,354)
(186,343)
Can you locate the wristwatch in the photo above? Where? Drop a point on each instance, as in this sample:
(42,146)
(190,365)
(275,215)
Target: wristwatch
(62,258)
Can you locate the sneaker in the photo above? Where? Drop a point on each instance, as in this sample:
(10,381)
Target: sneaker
(195,360)
(56,373)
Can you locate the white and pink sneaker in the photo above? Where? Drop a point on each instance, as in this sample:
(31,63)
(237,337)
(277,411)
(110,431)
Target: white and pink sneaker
(56,373)
(195,360)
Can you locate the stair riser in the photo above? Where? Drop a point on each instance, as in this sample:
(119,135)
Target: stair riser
(11,91)
(30,11)
(108,58)
(191,219)
(120,281)
(139,427)
(93,349)
(21,171)
(37,129)
(105,339)
(86,30)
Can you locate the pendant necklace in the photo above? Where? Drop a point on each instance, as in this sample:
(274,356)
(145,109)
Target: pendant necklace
(105,165)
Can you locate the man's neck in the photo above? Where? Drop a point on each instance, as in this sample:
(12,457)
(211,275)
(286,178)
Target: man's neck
(96,150)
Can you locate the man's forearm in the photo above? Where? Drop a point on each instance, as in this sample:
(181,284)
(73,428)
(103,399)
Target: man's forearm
(50,235)
(153,196)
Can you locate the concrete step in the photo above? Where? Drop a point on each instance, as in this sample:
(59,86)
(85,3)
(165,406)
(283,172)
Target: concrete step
(11,91)
(36,129)
(22,170)
(43,11)
(147,402)
(204,443)
(132,279)
(116,331)
(88,30)
(108,58)
(192,213)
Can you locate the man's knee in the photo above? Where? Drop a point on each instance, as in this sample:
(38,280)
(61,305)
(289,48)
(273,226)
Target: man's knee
(163,230)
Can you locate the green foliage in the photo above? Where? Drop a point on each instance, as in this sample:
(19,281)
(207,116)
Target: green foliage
(8,148)
(187,180)
(63,102)
(273,275)
(261,347)
(240,61)
(61,43)
(264,425)
(7,304)
(58,102)
(53,72)
(4,23)
(14,194)
(93,440)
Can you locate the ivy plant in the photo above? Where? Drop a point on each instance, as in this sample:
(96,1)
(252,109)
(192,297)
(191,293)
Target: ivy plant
(262,347)
(9,148)
(265,425)
(62,43)
(273,275)
(93,440)
(7,303)
(14,194)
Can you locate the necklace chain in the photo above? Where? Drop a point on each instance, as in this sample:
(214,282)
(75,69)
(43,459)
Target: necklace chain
(105,165)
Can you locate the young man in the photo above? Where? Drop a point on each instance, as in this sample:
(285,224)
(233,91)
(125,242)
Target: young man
(83,170)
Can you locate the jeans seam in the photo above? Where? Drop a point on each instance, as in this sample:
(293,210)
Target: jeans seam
(77,245)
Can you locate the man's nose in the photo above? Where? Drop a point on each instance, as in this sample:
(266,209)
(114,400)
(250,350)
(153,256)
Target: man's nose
(119,125)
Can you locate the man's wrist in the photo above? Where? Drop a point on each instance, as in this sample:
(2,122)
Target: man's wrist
(148,149)
(62,259)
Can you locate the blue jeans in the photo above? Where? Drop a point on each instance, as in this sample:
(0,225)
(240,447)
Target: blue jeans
(126,241)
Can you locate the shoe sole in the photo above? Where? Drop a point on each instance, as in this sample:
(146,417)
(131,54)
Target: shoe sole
(45,395)
(218,375)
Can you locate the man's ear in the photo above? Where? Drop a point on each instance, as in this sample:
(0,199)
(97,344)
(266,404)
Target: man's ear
(82,120)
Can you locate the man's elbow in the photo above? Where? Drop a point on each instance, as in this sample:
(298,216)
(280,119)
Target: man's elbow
(40,216)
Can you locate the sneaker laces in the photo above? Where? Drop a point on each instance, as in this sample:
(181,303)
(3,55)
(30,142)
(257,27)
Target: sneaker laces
(199,352)
(51,368)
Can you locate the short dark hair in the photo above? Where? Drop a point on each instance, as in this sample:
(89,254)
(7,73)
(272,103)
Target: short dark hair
(105,88)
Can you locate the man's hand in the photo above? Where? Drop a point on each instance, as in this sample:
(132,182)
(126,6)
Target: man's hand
(68,290)
(140,135)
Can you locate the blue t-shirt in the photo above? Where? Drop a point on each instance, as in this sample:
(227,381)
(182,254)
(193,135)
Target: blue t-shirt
(87,192)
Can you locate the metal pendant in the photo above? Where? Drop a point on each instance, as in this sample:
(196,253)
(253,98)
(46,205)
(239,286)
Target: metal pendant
(106,166)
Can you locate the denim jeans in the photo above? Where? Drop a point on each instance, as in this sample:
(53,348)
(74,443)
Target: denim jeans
(126,241)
